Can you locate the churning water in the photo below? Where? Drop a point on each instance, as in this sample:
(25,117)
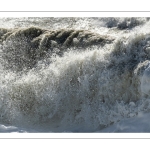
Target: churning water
(72,74)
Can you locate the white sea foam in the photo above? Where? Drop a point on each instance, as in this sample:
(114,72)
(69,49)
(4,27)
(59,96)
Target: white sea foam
(85,89)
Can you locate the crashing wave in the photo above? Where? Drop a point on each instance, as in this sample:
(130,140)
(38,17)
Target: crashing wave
(91,82)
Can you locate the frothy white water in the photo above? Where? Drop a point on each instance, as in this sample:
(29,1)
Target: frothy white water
(84,90)
(74,93)
(145,81)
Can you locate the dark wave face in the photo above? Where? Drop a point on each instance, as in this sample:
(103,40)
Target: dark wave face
(73,74)
(23,48)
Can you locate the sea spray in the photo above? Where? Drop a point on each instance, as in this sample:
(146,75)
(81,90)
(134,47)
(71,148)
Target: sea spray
(74,80)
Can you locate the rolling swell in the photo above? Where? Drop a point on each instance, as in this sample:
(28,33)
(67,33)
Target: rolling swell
(95,83)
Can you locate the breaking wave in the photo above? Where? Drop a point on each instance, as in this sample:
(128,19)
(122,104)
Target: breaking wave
(74,80)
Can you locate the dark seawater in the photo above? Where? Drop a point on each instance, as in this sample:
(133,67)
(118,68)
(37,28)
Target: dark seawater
(73,74)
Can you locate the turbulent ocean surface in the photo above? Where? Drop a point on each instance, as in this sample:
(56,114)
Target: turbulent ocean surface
(74,75)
